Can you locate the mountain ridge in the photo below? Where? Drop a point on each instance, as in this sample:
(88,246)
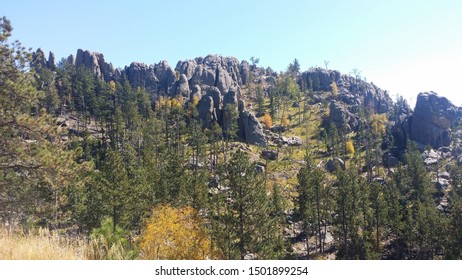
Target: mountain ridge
(209,79)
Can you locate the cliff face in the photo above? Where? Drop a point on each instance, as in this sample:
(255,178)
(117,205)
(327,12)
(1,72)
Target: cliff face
(431,122)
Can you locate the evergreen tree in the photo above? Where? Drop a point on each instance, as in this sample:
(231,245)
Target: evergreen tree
(249,228)
(35,165)
(312,201)
(260,101)
(420,216)
(351,209)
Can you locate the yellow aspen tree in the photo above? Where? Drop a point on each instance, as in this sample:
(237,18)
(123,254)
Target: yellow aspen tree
(350,149)
(267,120)
(175,234)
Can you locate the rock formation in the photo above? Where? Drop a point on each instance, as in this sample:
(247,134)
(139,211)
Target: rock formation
(251,129)
(432,119)
(95,62)
(341,117)
(216,81)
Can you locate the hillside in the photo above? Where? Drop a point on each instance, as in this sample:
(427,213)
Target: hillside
(227,158)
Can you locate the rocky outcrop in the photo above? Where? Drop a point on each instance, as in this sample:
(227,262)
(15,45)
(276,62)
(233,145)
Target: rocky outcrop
(187,67)
(352,91)
(156,79)
(245,72)
(217,98)
(141,75)
(342,118)
(182,87)
(165,74)
(213,70)
(230,102)
(206,110)
(319,79)
(39,58)
(432,119)
(51,61)
(96,63)
(251,130)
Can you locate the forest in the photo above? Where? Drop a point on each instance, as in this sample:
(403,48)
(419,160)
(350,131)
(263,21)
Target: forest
(111,169)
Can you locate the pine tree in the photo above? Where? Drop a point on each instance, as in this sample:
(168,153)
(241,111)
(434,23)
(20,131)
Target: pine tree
(312,202)
(260,101)
(351,208)
(248,227)
(35,165)
(420,216)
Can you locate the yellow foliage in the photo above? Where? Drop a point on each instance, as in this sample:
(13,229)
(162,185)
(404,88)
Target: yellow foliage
(378,124)
(195,100)
(176,102)
(112,86)
(350,148)
(267,120)
(284,120)
(175,234)
(161,102)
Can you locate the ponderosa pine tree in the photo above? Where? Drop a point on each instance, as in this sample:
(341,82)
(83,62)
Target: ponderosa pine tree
(312,201)
(35,165)
(250,230)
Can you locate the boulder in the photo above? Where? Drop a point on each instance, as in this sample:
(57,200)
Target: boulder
(269,154)
(294,141)
(430,157)
(442,184)
(278,128)
(259,168)
(445,175)
(431,121)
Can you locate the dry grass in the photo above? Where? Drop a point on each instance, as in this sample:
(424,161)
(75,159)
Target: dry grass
(42,245)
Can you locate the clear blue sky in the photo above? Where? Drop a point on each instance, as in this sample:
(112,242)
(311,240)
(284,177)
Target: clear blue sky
(403,46)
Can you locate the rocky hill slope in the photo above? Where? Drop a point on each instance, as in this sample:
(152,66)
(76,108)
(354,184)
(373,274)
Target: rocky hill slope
(217,81)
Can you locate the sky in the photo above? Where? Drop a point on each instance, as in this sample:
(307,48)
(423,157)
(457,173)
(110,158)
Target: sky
(403,46)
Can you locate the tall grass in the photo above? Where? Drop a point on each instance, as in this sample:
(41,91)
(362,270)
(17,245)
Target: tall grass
(41,245)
